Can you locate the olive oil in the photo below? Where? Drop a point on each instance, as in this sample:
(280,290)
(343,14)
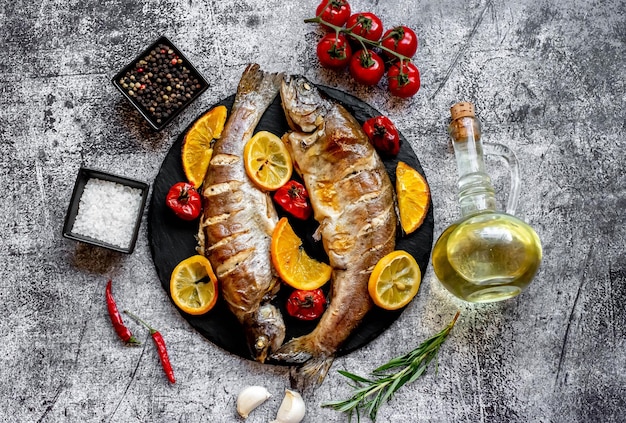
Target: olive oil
(487,255)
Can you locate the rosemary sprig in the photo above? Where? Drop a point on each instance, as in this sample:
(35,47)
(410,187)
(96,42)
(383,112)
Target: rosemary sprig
(370,393)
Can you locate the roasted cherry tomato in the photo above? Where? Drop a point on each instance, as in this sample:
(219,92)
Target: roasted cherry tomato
(184,201)
(293,198)
(334,51)
(335,12)
(306,305)
(367,67)
(404,79)
(383,134)
(367,25)
(400,39)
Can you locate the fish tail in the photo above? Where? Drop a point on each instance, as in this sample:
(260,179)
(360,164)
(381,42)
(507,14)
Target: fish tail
(255,80)
(311,374)
(313,365)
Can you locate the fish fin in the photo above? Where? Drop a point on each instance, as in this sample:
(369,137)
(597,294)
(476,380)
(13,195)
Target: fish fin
(297,350)
(313,368)
(271,215)
(273,289)
(311,374)
(200,239)
(317,235)
(396,209)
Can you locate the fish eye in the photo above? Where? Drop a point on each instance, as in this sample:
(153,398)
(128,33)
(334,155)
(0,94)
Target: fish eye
(260,343)
(304,84)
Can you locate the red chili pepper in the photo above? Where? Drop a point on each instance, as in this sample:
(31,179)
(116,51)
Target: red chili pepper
(293,198)
(383,134)
(306,305)
(116,318)
(161,348)
(184,201)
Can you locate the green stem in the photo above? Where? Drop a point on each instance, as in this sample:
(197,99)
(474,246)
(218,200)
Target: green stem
(137,318)
(361,39)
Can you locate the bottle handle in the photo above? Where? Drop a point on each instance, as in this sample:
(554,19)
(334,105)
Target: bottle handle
(509,156)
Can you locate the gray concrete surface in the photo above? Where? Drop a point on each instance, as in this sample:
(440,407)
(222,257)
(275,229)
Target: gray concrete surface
(548,79)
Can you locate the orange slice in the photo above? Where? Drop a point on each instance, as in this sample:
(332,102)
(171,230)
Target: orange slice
(267,161)
(197,146)
(292,263)
(395,280)
(193,285)
(413,197)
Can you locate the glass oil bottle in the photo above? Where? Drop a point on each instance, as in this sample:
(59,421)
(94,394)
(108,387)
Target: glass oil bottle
(486,255)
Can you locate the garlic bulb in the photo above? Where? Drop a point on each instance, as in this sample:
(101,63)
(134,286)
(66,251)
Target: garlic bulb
(291,409)
(250,398)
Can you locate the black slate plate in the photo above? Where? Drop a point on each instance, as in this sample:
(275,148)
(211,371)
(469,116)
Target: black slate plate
(173,240)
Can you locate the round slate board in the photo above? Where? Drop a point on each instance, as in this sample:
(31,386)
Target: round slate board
(173,240)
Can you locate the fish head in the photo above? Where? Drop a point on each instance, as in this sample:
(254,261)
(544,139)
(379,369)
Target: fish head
(265,332)
(303,103)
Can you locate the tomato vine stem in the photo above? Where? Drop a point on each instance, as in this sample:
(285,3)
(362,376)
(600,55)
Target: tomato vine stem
(349,31)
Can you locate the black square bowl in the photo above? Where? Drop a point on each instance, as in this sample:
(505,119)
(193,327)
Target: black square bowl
(84,175)
(160,83)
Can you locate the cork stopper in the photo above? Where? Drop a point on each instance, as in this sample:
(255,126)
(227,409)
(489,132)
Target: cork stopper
(464,123)
(462,109)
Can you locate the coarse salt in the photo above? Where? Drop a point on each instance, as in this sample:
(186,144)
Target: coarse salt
(107,211)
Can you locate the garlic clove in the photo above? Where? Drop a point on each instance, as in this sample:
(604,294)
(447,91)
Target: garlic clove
(292,408)
(250,398)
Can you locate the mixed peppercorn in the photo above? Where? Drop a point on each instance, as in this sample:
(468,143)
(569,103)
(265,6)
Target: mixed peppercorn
(161,83)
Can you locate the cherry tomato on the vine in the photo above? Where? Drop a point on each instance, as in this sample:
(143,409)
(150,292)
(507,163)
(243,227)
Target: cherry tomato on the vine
(404,79)
(335,12)
(334,51)
(367,67)
(383,135)
(400,39)
(367,25)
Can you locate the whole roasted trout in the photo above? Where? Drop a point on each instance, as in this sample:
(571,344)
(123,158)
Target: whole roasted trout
(238,220)
(353,201)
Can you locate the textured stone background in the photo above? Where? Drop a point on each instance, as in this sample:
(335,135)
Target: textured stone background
(548,79)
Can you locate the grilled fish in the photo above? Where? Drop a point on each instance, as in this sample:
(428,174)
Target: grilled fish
(238,220)
(353,201)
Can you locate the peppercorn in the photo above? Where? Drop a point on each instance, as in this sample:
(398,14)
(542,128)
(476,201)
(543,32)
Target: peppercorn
(159,82)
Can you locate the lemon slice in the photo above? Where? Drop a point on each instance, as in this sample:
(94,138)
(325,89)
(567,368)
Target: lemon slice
(395,280)
(267,161)
(193,285)
(293,264)
(197,146)
(413,197)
